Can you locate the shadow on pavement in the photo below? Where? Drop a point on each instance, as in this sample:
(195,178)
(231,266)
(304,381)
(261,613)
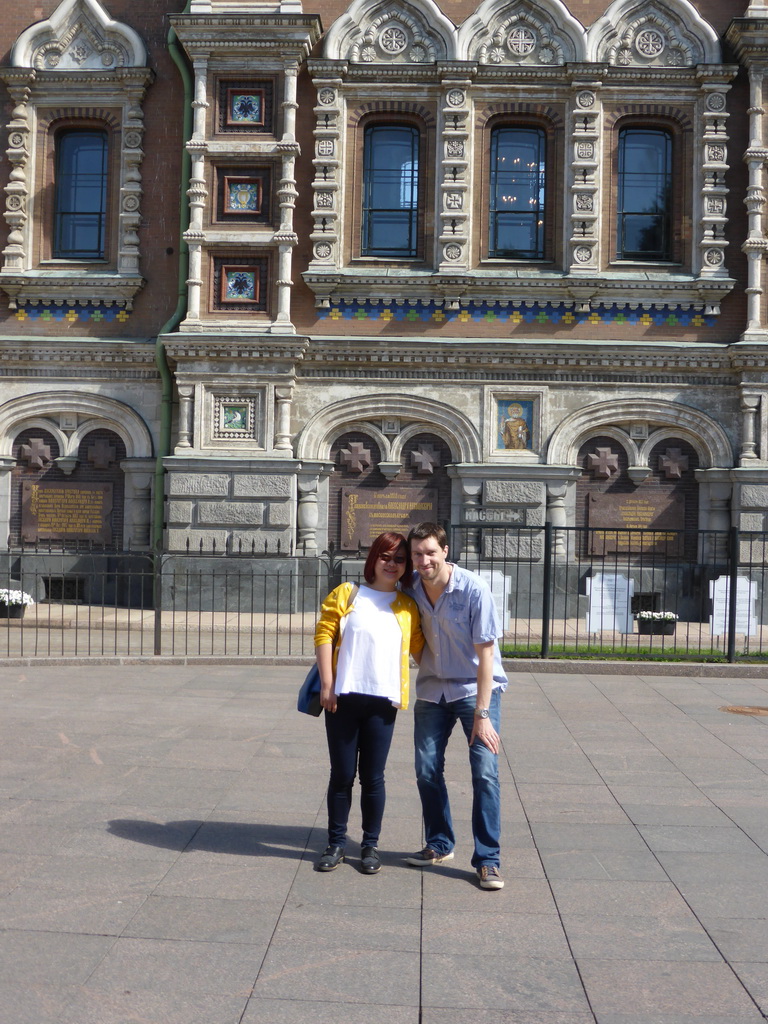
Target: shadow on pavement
(257,840)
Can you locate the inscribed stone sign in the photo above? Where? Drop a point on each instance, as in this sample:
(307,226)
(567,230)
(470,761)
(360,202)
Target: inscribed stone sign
(614,517)
(367,513)
(66,511)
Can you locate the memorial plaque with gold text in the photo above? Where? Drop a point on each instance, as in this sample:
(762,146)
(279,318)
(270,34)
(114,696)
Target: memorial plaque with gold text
(66,511)
(367,513)
(616,519)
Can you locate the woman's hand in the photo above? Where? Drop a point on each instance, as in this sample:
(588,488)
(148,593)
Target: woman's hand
(324,655)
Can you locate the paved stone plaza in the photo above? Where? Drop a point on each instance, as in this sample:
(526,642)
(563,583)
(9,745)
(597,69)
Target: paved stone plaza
(160,823)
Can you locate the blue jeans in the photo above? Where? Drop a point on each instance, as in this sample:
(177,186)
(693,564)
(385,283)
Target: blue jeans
(359,736)
(433,725)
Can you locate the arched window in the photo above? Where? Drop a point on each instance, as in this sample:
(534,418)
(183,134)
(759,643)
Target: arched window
(390,191)
(518,193)
(80,195)
(644,195)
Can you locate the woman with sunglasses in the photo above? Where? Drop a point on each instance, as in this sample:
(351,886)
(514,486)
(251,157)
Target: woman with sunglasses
(363,639)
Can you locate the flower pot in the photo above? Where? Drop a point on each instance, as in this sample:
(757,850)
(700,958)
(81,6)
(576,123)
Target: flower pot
(12,611)
(656,627)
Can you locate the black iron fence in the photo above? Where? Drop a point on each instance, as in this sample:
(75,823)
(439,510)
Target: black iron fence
(560,593)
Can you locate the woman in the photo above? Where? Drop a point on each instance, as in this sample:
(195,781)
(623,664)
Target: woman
(364,679)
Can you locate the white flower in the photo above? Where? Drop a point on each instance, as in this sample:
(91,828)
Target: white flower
(8,596)
(657,616)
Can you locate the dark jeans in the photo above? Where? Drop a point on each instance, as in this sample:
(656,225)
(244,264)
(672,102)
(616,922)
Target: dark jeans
(359,737)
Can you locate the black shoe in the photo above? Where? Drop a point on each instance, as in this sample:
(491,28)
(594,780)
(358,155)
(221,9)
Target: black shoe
(370,861)
(333,856)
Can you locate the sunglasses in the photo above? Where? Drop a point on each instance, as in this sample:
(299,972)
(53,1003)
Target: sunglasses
(395,559)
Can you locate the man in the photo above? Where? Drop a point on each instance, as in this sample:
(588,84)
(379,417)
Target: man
(460,679)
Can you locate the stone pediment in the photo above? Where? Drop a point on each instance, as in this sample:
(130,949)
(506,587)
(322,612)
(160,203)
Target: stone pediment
(653,33)
(522,33)
(79,36)
(391,33)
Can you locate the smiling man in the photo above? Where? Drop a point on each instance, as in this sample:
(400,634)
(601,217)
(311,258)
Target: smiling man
(460,679)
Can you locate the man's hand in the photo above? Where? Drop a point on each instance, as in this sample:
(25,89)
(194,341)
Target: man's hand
(483,730)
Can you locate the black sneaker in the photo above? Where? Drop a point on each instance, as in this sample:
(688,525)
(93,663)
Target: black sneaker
(427,857)
(370,861)
(489,878)
(333,856)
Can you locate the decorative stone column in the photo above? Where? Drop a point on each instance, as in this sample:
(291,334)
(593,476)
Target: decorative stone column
(714,167)
(750,405)
(307,515)
(326,187)
(557,516)
(17,189)
(586,129)
(455,204)
(283,402)
(6,465)
(286,237)
(197,192)
(139,474)
(756,243)
(471,490)
(186,393)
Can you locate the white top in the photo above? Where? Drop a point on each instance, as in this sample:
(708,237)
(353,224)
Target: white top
(369,655)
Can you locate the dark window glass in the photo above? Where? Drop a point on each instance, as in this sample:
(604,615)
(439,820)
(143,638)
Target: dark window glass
(644,195)
(80,195)
(517,193)
(390,191)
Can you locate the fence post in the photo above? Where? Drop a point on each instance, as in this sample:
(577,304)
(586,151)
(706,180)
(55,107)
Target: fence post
(733,590)
(546,597)
(157,598)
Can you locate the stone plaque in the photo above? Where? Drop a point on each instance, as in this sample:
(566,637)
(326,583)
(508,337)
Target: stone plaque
(495,516)
(66,511)
(613,516)
(367,513)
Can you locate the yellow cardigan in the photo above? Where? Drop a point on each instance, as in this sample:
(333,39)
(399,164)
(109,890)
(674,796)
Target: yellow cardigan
(406,611)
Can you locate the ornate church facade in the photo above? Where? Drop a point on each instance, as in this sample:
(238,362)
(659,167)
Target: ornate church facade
(281,277)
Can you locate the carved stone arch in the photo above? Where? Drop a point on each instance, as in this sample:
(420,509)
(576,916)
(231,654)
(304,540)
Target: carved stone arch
(314,441)
(365,427)
(671,433)
(704,434)
(96,410)
(391,108)
(544,111)
(79,36)
(392,32)
(34,423)
(681,118)
(653,33)
(522,32)
(616,434)
(422,428)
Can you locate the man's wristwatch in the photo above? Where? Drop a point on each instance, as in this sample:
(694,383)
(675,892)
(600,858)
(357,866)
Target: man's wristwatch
(481,713)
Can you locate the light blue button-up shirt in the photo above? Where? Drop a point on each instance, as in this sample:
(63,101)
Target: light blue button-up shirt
(464,615)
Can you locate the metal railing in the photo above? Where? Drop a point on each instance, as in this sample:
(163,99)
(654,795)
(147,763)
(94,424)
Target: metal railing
(560,592)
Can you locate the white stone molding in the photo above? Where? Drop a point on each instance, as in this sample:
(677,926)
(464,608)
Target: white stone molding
(328,163)
(653,33)
(756,243)
(79,60)
(583,173)
(320,430)
(405,435)
(93,412)
(705,435)
(456,205)
(544,33)
(391,32)
(713,167)
(186,406)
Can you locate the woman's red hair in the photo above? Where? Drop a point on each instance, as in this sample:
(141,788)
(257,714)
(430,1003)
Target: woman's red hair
(383,544)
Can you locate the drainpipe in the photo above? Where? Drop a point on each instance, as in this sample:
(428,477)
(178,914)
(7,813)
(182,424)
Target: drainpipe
(166,408)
